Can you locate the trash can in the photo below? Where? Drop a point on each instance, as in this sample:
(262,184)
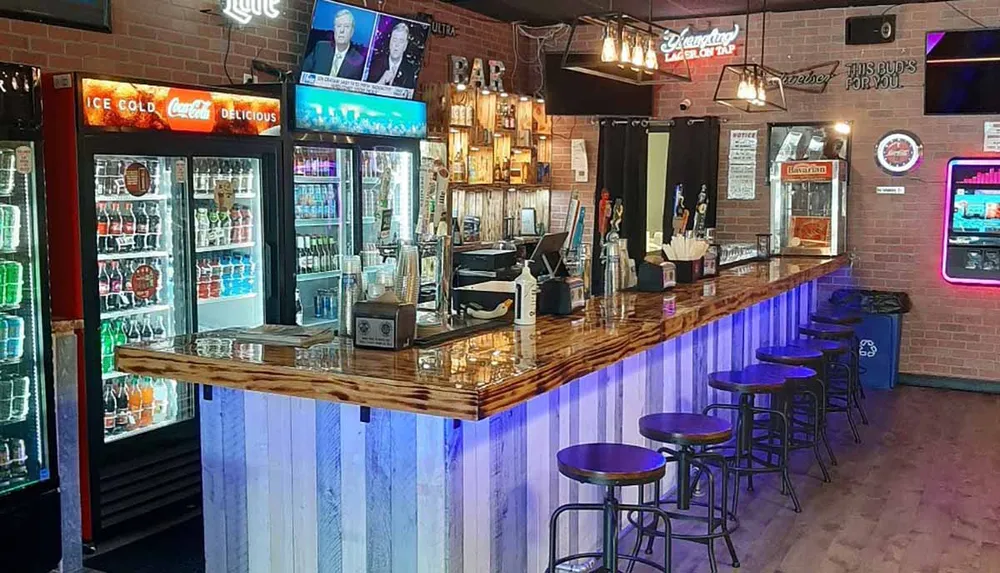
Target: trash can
(880,332)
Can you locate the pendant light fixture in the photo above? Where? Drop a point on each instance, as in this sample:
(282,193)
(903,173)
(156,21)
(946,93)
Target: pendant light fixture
(746,84)
(628,50)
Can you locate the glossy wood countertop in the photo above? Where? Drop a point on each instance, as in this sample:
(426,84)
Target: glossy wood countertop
(475,377)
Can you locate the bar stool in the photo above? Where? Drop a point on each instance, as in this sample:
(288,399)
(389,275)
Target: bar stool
(801,381)
(689,432)
(610,466)
(852,375)
(842,317)
(747,386)
(831,349)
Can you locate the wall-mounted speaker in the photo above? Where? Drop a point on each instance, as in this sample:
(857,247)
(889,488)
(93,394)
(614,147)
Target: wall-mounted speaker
(863,30)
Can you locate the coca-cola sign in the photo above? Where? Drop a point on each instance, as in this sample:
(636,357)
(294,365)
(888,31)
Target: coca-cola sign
(691,44)
(115,105)
(200,109)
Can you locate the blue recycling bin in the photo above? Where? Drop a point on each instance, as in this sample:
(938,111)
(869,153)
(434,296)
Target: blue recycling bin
(879,338)
(880,333)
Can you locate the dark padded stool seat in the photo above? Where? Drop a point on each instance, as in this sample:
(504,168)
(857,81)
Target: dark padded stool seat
(790,355)
(825,330)
(746,383)
(789,373)
(833,316)
(827,347)
(685,429)
(611,464)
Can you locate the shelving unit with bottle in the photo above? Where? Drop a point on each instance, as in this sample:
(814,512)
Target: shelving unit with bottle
(137,206)
(227,243)
(324,223)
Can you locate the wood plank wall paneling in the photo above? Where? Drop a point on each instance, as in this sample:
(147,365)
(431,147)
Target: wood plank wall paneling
(303,486)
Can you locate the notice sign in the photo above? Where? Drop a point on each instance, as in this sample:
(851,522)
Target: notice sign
(127,105)
(24,161)
(991,136)
(742,180)
(578,161)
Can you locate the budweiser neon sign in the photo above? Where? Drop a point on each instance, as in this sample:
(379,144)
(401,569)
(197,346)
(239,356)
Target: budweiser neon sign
(243,11)
(693,45)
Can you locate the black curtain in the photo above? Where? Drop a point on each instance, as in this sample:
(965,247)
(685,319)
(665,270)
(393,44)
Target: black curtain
(621,170)
(692,161)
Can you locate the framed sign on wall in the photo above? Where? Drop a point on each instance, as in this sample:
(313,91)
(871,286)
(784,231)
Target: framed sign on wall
(86,14)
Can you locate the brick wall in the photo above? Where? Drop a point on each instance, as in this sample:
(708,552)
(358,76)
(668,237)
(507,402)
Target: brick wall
(896,239)
(173,41)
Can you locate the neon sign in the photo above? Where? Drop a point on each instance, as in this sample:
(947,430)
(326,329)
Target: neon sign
(692,45)
(243,11)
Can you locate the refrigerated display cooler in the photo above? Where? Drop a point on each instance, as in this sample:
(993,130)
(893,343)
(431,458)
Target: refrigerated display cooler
(29,494)
(164,201)
(352,162)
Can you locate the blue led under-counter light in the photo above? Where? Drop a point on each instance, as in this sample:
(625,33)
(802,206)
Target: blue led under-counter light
(332,111)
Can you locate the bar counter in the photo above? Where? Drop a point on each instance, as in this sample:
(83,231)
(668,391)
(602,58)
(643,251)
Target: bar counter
(475,377)
(331,459)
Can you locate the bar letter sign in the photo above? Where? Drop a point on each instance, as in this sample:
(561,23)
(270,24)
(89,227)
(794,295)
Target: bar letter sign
(742,182)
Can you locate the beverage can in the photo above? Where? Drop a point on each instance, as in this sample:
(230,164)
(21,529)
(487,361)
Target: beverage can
(3,340)
(15,337)
(6,227)
(13,283)
(19,406)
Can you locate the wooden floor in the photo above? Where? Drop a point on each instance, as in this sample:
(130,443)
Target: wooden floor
(920,495)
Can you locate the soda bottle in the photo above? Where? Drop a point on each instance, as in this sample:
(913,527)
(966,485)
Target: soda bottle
(107,347)
(133,336)
(298,308)
(122,412)
(102,227)
(172,403)
(248,177)
(148,400)
(225,228)
(115,286)
(236,219)
(161,395)
(114,229)
(215,284)
(146,331)
(103,285)
(213,228)
(141,227)
(110,410)
(204,279)
(227,276)
(128,228)
(118,330)
(134,403)
(128,295)
(153,238)
(247,227)
(159,330)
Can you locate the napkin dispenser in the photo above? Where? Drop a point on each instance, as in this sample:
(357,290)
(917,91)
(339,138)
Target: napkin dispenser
(561,296)
(657,277)
(384,325)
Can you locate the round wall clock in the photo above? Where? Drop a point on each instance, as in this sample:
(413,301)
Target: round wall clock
(898,152)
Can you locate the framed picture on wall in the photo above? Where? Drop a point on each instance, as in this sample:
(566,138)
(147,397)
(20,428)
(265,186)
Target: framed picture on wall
(806,141)
(86,14)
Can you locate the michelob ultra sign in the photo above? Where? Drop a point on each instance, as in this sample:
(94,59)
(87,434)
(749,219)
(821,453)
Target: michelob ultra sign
(126,105)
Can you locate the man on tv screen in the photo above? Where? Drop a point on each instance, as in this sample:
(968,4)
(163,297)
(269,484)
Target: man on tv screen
(392,68)
(342,58)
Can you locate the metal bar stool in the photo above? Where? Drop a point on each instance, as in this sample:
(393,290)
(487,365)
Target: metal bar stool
(844,318)
(745,459)
(610,466)
(689,432)
(852,392)
(831,349)
(801,381)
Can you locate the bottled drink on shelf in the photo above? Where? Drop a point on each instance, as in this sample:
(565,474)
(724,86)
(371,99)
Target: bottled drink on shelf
(128,229)
(159,330)
(298,308)
(213,228)
(160,401)
(134,403)
(246,227)
(107,347)
(115,300)
(141,227)
(146,330)
(12,282)
(147,401)
(103,231)
(122,403)
(201,227)
(110,409)
(236,224)
(153,236)
(325,304)
(225,228)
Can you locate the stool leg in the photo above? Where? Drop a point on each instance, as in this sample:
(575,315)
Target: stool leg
(712,563)
(824,387)
(611,531)
(656,517)
(784,466)
(553,535)
(640,530)
(857,389)
(816,434)
(746,402)
(725,513)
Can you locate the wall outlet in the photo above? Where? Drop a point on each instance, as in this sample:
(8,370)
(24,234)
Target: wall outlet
(249,78)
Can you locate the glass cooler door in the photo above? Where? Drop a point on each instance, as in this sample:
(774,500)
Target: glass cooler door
(387,197)
(228,244)
(141,229)
(24,455)
(324,229)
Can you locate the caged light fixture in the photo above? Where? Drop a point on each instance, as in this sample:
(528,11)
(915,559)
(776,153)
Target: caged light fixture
(751,82)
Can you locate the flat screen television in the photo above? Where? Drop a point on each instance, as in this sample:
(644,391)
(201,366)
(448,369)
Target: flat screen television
(87,14)
(360,50)
(575,93)
(962,72)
